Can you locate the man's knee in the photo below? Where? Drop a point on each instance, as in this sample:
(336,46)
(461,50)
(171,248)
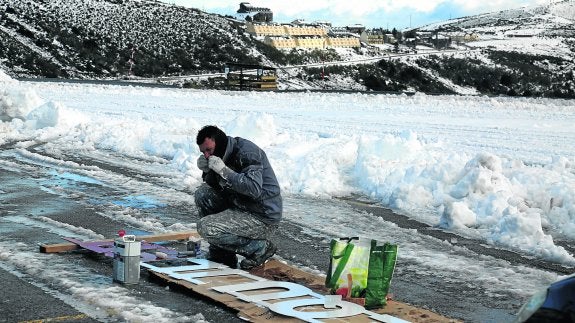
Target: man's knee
(201,227)
(201,195)
(209,201)
(204,199)
(207,228)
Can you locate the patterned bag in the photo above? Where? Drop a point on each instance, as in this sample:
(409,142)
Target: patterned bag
(361,270)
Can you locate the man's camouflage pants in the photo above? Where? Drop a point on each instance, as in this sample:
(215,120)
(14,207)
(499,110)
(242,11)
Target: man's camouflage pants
(229,228)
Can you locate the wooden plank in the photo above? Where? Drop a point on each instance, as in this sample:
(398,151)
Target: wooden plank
(68,246)
(182,235)
(58,247)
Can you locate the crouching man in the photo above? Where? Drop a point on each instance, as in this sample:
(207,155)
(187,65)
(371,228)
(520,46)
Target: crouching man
(239,202)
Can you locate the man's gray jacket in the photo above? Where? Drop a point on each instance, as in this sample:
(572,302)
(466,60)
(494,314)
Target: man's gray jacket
(253,186)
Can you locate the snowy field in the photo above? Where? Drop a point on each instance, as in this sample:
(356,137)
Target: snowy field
(501,170)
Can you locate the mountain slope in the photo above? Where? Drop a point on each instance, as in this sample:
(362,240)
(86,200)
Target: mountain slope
(527,52)
(546,29)
(68,38)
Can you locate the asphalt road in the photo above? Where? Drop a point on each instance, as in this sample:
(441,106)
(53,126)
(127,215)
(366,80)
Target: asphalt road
(31,298)
(41,202)
(28,296)
(21,302)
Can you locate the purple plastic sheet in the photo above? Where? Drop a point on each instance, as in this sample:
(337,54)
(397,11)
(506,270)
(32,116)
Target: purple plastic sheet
(107,248)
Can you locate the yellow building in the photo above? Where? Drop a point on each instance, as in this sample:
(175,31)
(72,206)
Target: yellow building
(265,30)
(282,30)
(304,31)
(290,36)
(350,42)
(280,42)
(372,37)
(310,42)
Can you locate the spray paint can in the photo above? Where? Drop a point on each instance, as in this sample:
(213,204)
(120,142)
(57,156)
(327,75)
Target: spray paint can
(126,266)
(194,247)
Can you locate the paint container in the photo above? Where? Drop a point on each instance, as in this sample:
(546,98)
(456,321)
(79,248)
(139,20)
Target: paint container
(194,247)
(126,267)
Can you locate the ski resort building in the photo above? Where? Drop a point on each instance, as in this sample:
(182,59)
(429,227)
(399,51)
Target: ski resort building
(251,13)
(376,36)
(463,37)
(283,30)
(300,36)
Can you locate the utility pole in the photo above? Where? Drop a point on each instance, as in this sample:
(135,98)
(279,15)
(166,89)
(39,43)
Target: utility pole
(131,60)
(323,64)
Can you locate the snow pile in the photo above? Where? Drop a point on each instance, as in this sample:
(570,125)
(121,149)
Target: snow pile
(496,169)
(25,105)
(4,77)
(16,104)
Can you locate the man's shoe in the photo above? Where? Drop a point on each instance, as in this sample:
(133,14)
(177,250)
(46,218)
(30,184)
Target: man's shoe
(259,258)
(222,256)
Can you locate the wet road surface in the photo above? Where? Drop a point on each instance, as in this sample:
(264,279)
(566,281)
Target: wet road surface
(45,197)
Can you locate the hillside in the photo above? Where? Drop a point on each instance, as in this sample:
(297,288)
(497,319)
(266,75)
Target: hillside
(523,52)
(100,38)
(526,52)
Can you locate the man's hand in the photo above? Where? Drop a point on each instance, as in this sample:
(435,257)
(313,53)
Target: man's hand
(203,164)
(218,166)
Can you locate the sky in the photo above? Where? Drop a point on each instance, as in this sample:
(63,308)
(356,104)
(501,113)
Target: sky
(497,169)
(372,14)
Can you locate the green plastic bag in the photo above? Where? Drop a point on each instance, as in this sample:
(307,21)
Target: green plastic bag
(361,269)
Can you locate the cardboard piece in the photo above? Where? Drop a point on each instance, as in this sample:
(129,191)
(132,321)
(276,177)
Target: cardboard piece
(266,304)
(274,271)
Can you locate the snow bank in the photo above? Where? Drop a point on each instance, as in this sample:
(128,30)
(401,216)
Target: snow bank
(4,78)
(26,105)
(496,169)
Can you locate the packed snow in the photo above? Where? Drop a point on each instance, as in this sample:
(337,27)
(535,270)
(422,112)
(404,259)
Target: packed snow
(497,168)
(492,168)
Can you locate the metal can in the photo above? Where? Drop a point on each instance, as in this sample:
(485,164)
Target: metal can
(194,247)
(126,266)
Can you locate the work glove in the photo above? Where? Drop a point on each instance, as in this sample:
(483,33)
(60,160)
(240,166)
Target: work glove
(217,165)
(203,164)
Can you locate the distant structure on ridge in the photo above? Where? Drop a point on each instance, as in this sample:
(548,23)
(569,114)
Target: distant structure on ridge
(257,14)
(298,33)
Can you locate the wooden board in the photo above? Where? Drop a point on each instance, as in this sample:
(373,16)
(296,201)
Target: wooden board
(68,246)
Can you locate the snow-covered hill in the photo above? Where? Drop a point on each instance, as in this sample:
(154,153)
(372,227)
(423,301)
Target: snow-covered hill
(526,51)
(114,37)
(545,30)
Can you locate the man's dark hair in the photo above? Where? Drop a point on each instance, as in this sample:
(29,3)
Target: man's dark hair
(217,135)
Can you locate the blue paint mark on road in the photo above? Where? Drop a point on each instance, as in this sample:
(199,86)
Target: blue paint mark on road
(139,202)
